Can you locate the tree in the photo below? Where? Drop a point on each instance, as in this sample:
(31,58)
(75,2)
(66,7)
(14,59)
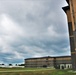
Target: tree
(10,64)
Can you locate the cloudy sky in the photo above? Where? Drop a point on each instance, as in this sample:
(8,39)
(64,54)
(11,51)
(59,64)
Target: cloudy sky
(32,28)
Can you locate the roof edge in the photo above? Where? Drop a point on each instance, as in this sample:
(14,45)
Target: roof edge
(67,1)
(48,57)
(66,8)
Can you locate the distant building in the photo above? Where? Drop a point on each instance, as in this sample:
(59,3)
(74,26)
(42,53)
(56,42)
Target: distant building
(70,11)
(61,62)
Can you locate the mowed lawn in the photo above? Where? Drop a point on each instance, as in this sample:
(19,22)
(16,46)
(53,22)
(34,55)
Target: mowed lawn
(34,71)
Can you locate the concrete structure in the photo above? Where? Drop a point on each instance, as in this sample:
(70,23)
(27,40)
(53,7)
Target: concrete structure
(52,62)
(71,16)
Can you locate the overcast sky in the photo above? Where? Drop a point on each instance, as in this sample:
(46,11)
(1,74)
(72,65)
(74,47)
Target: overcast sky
(32,28)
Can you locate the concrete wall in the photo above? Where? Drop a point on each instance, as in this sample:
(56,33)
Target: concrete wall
(65,66)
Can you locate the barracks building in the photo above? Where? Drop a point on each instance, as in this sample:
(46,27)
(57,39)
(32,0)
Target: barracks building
(61,62)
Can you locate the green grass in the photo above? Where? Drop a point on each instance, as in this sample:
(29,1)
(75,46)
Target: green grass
(34,71)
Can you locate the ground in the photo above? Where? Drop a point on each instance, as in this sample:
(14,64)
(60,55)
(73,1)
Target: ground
(35,71)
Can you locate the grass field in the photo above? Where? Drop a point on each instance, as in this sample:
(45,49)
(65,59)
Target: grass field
(34,71)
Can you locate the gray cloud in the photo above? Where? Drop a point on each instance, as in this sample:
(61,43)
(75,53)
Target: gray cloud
(32,28)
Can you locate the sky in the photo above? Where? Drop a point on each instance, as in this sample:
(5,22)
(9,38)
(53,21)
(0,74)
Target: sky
(32,28)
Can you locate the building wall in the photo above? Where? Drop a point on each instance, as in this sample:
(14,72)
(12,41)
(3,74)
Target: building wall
(62,61)
(72,4)
(39,62)
(53,62)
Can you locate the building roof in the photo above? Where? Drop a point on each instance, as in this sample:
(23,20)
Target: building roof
(39,57)
(48,57)
(67,1)
(66,8)
(61,56)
